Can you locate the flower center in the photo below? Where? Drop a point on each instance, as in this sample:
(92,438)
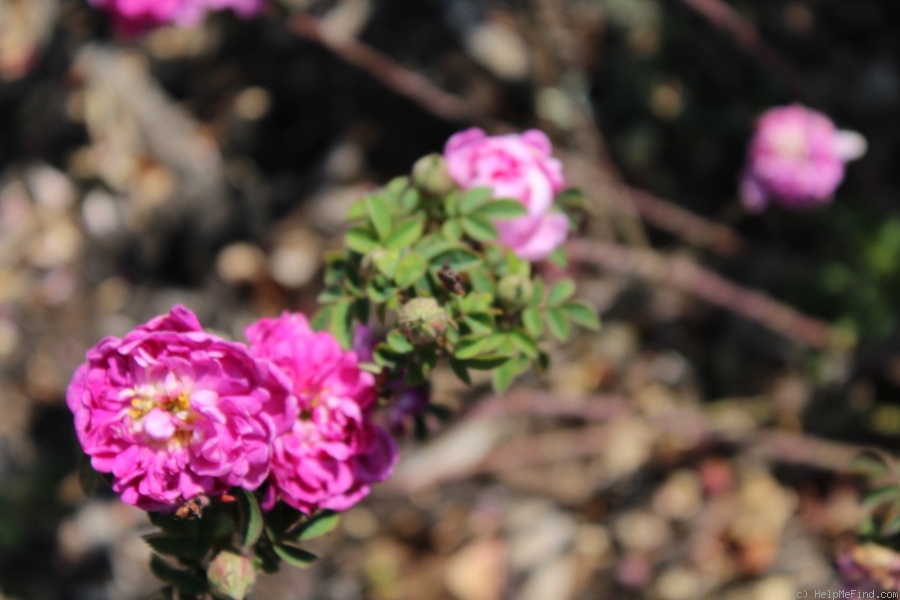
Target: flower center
(163,418)
(791,142)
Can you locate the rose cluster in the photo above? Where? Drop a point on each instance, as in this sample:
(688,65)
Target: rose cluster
(519,167)
(131,17)
(172,412)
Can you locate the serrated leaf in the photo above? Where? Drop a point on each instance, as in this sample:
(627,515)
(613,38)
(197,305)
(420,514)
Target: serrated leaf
(582,314)
(316,527)
(503,376)
(870,464)
(452,230)
(502,209)
(479,228)
(560,292)
(533,321)
(189,547)
(479,323)
(398,342)
(460,258)
(559,258)
(380,211)
(411,267)
(882,495)
(250,518)
(341,323)
(486,362)
(470,347)
(184,581)
(405,234)
(360,239)
(558,323)
(461,371)
(386,262)
(294,556)
(357,210)
(451,203)
(523,343)
(474,198)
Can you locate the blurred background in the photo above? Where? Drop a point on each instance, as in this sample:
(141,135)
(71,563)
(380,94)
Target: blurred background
(696,447)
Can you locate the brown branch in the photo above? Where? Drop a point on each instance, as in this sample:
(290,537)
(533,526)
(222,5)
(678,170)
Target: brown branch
(747,37)
(382,67)
(688,276)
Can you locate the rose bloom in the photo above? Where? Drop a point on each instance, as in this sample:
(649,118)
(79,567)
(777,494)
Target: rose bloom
(173,412)
(335,452)
(132,17)
(796,158)
(520,167)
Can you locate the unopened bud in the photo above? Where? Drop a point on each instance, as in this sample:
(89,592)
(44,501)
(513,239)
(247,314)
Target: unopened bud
(423,320)
(430,174)
(515,290)
(231,575)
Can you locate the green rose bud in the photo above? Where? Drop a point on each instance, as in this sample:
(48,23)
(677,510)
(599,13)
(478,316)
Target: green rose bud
(515,290)
(423,321)
(430,175)
(231,575)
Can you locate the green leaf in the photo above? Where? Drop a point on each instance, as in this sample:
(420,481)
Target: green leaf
(451,203)
(386,356)
(582,314)
(479,323)
(870,464)
(380,212)
(503,376)
(537,296)
(361,239)
(486,362)
(460,258)
(502,209)
(452,230)
(469,347)
(479,228)
(473,199)
(411,268)
(534,323)
(294,556)
(558,323)
(410,199)
(562,291)
(322,318)
(398,342)
(481,281)
(316,527)
(559,258)
(341,323)
(477,302)
(405,234)
(386,262)
(460,369)
(250,518)
(186,582)
(357,210)
(189,547)
(880,496)
(523,343)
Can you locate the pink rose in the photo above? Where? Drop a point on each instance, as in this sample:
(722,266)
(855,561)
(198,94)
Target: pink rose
(335,451)
(519,167)
(132,17)
(173,412)
(796,158)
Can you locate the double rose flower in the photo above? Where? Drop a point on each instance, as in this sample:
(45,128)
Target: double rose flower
(173,412)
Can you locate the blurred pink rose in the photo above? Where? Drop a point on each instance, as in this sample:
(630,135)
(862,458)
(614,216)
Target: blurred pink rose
(520,167)
(796,158)
(132,17)
(173,412)
(335,451)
